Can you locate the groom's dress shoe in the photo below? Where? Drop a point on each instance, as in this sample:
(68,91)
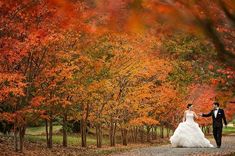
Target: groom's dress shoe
(218,146)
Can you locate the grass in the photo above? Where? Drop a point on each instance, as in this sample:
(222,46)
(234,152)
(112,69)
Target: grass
(57,139)
(37,134)
(228,130)
(41,130)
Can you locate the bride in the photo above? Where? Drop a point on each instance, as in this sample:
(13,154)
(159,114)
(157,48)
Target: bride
(188,133)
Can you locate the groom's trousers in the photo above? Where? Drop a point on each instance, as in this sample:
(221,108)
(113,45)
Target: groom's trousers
(217,132)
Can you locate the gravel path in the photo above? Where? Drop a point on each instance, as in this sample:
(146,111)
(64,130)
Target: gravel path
(228,147)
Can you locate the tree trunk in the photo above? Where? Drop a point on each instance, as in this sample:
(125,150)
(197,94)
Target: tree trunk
(112,132)
(162,132)
(65,128)
(47,134)
(124,136)
(142,134)
(222,53)
(133,134)
(50,131)
(148,133)
(83,132)
(83,124)
(154,133)
(15,138)
(157,133)
(209,129)
(168,132)
(136,134)
(98,135)
(21,138)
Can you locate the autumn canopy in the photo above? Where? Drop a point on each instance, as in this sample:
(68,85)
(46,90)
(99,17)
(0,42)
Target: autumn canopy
(114,65)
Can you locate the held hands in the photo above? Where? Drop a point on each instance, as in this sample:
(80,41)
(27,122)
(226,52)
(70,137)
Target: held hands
(200,114)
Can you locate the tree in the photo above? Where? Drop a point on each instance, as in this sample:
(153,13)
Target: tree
(214,19)
(27,28)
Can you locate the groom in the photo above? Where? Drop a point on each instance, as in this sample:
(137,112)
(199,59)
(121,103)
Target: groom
(217,116)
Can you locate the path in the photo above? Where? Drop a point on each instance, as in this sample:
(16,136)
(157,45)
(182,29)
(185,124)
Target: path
(228,147)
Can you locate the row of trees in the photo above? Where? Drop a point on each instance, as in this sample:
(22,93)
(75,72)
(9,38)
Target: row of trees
(56,62)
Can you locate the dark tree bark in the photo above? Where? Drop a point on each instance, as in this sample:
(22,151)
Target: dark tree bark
(21,138)
(136,134)
(142,134)
(162,131)
(226,11)
(148,133)
(16,138)
(65,128)
(47,133)
(124,136)
(154,132)
(83,132)
(83,124)
(168,132)
(50,143)
(98,135)
(112,132)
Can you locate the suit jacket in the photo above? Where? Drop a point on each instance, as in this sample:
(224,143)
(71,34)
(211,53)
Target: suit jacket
(217,121)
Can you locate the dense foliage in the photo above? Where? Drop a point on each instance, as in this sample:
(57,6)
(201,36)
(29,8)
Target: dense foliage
(113,65)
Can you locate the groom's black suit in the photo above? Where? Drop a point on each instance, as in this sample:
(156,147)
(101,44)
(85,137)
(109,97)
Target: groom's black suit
(217,124)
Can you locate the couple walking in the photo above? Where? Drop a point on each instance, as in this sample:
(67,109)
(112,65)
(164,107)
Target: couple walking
(189,134)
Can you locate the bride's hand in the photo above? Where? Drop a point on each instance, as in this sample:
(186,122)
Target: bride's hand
(200,114)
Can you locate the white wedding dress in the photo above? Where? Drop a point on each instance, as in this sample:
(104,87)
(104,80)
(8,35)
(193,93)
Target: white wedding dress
(189,134)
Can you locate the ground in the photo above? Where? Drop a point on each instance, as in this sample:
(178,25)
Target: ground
(35,145)
(228,148)
(39,149)
(35,149)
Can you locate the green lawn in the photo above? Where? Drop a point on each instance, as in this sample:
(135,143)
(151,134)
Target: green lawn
(37,134)
(41,130)
(228,130)
(72,139)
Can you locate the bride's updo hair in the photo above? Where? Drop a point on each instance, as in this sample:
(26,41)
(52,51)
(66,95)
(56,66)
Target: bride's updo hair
(189,105)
